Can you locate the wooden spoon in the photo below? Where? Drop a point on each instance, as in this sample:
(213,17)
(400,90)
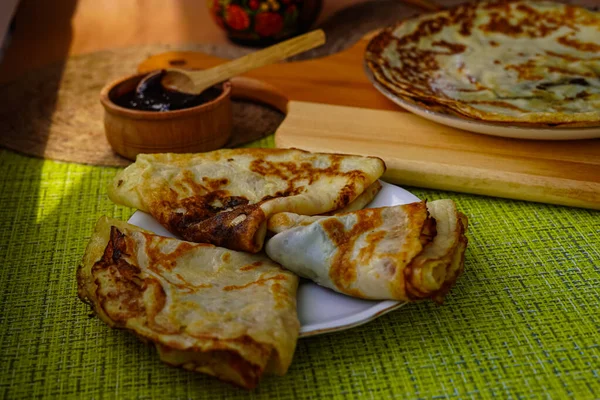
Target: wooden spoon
(194,82)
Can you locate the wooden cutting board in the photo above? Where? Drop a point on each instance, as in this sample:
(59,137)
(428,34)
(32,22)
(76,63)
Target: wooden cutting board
(334,108)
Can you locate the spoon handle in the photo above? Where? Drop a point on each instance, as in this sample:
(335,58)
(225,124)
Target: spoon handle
(270,55)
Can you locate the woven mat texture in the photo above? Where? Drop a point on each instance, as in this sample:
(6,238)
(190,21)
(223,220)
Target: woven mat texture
(522,322)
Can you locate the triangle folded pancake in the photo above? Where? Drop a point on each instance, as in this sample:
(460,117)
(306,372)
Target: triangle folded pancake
(207,309)
(405,252)
(225,197)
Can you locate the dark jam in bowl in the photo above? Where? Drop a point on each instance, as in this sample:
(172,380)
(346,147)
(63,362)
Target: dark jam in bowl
(153,97)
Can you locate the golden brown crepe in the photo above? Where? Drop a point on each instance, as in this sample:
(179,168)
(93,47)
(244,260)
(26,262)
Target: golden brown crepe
(225,197)
(405,252)
(207,309)
(525,62)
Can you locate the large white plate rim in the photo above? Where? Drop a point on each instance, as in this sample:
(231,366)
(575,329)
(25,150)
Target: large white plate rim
(388,196)
(488,128)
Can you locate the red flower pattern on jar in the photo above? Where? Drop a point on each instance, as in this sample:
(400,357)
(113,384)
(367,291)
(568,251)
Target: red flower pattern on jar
(237,18)
(268,23)
(253,4)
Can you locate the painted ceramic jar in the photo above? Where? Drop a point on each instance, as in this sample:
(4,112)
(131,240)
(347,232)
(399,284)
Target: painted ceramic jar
(264,22)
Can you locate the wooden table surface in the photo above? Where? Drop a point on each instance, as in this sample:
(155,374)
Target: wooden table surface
(48,31)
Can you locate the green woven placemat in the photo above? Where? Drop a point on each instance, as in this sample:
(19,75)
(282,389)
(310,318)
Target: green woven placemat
(522,322)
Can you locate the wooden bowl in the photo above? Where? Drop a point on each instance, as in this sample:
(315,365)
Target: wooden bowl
(130,132)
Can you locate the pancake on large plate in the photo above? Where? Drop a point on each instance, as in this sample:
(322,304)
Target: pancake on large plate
(524,62)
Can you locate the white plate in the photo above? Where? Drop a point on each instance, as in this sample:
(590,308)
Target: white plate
(489,128)
(322,310)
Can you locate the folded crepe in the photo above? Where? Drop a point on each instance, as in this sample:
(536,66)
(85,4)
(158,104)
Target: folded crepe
(207,309)
(360,202)
(287,220)
(405,252)
(225,197)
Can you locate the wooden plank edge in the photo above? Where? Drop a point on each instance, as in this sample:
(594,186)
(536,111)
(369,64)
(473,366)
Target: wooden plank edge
(550,190)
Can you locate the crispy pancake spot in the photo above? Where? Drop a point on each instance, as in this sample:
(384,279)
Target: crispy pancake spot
(159,261)
(463,15)
(372,240)
(120,289)
(428,27)
(220,230)
(199,208)
(203,219)
(526,71)
(226,257)
(576,44)
(189,286)
(570,57)
(343,269)
(573,81)
(429,230)
(282,297)
(119,293)
(187,183)
(214,184)
(526,22)
(453,48)
(346,195)
(299,176)
(159,258)
(417,64)
(260,281)
(252,266)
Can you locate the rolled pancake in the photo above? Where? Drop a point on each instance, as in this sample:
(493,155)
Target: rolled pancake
(207,309)
(434,271)
(225,197)
(399,253)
